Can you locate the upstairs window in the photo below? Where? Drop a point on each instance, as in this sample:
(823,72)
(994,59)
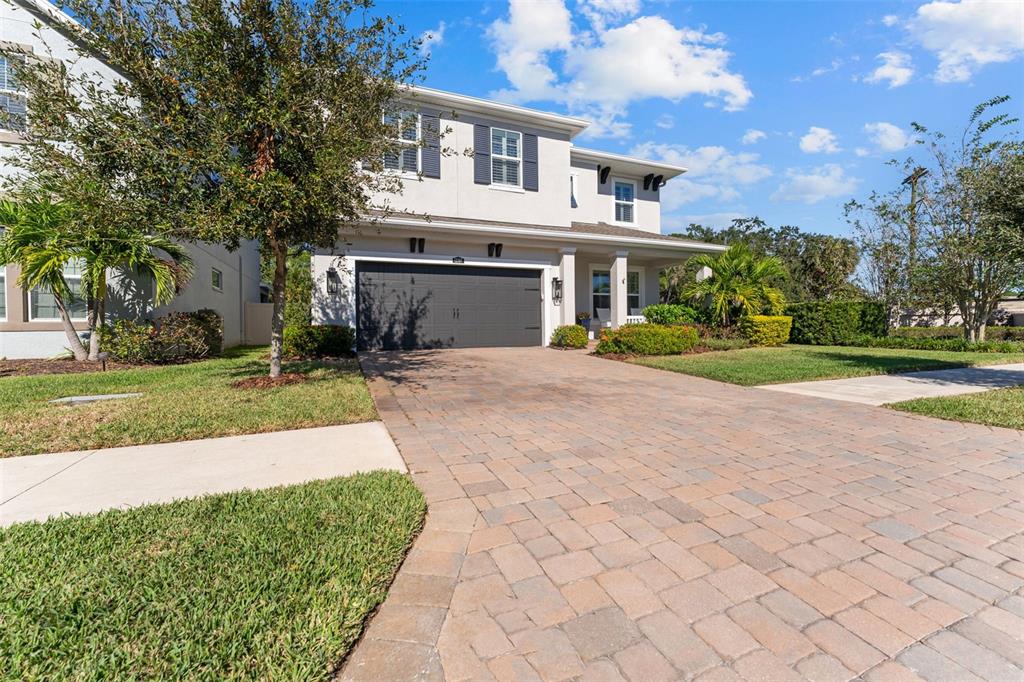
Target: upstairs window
(43,305)
(217,279)
(506,156)
(13,102)
(625,198)
(405,158)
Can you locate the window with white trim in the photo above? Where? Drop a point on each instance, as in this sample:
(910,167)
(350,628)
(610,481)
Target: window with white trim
(632,291)
(217,279)
(3,292)
(13,100)
(625,198)
(601,288)
(405,158)
(506,157)
(43,305)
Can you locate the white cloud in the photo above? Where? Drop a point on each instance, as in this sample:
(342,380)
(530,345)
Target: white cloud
(810,187)
(600,12)
(665,122)
(887,137)
(890,20)
(896,68)
(967,35)
(431,39)
(752,136)
(600,73)
(861,151)
(819,140)
(712,172)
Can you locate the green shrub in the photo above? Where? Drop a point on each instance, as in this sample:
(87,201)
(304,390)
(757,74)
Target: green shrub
(991,333)
(569,336)
(833,323)
(647,339)
(766,330)
(670,313)
(941,344)
(318,341)
(177,337)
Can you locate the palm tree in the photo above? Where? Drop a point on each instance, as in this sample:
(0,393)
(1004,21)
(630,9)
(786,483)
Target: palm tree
(39,238)
(740,284)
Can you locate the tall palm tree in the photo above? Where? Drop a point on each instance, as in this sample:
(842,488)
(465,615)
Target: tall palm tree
(38,237)
(740,284)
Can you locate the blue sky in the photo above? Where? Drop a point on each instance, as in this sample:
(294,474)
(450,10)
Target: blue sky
(780,109)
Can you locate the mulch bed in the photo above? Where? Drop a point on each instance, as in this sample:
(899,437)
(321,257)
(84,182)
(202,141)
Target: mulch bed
(10,368)
(262,382)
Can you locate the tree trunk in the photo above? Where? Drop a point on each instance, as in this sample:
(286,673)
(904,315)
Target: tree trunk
(280,252)
(97,317)
(74,342)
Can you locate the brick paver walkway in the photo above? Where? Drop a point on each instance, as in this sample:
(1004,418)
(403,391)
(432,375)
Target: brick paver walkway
(596,520)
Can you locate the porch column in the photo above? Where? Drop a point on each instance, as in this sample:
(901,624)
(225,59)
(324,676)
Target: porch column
(568,275)
(619,300)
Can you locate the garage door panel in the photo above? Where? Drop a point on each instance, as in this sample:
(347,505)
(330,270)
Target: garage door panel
(411,305)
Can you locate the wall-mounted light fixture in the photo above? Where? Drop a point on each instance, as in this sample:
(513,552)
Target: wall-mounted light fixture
(556,291)
(333,281)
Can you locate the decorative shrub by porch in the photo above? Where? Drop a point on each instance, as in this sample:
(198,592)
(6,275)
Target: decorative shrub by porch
(766,330)
(177,337)
(832,323)
(569,336)
(940,344)
(647,339)
(318,341)
(670,313)
(991,333)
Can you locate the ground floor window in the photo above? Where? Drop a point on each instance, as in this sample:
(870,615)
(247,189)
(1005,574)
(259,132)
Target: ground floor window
(601,288)
(3,293)
(633,291)
(43,305)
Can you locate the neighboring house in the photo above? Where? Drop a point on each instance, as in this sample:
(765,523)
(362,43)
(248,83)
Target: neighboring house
(500,245)
(29,328)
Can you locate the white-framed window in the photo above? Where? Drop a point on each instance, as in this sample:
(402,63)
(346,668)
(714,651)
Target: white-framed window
(405,158)
(13,100)
(3,292)
(42,306)
(574,188)
(601,289)
(217,279)
(625,201)
(506,157)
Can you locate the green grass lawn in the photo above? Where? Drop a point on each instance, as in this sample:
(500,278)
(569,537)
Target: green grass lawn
(265,585)
(999,407)
(754,366)
(180,402)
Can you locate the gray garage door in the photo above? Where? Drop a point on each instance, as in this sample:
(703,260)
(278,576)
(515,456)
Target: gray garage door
(402,305)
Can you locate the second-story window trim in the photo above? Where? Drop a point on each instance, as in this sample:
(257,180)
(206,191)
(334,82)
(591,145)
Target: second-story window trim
(624,211)
(506,157)
(13,98)
(406,156)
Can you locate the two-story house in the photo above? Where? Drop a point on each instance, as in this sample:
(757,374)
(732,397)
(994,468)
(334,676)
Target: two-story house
(224,281)
(506,236)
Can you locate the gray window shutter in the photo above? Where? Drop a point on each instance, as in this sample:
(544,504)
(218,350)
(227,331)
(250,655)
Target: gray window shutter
(530,162)
(430,125)
(481,154)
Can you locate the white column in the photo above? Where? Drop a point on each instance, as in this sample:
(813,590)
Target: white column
(568,276)
(620,307)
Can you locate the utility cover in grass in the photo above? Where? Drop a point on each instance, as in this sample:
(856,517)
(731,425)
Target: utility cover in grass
(272,584)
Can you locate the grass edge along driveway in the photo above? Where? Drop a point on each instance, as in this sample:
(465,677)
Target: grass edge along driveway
(998,407)
(269,584)
(792,363)
(179,402)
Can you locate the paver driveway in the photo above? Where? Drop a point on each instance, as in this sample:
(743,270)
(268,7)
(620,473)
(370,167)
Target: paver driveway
(600,520)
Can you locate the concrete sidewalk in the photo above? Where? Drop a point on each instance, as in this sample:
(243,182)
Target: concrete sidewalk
(892,388)
(40,486)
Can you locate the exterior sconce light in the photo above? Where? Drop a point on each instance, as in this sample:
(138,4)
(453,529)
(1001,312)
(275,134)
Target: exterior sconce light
(556,291)
(333,281)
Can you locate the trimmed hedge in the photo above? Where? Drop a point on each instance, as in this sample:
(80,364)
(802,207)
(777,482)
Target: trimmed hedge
(991,333)
(174,338)
(953,345)
(569,336)
(670,313)
(647,339)
(766,330)
(835,323)
(318,341)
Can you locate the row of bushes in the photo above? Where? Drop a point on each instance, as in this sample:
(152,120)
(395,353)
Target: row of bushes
(319,341)
(647,339)
(991,333)
(174,338)
(943,344)
(836,323)
(665,339)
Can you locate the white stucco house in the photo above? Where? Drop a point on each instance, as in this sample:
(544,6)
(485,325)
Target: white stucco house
(29,328)
(499,244)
